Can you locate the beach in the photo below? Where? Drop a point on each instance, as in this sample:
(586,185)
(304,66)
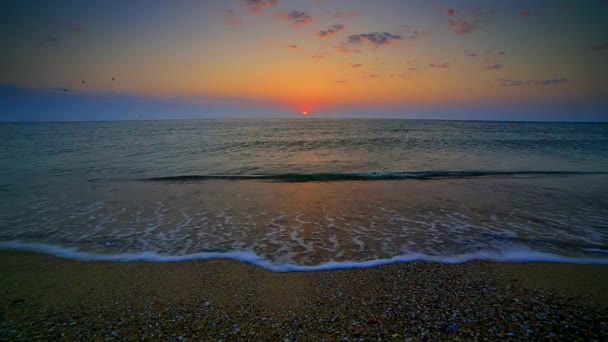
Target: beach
(50,298)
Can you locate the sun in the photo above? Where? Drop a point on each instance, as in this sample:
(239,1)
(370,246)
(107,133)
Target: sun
(304,113)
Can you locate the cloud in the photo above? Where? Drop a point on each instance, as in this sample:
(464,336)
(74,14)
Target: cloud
(600,47)
(256,6)
(346,48)
(48,40)
(341,81)
(471,53)
(439,65)
(490,63)
(231,20)
(398,76)
(297,17)
(291,47)
(331,31)
(493,66)
(451,11)
(507,82)
(374,38)
(69,27)
(413,69)
(344,15)
(524,13)
(464,27)
(356,65)
(320,55)
(411,33)
(501,52)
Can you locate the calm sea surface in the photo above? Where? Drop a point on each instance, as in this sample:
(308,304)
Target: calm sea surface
(306,193)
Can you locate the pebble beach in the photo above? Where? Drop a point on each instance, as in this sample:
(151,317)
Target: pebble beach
(49,298)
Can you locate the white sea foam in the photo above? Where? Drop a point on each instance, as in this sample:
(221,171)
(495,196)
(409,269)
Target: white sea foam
(519,255)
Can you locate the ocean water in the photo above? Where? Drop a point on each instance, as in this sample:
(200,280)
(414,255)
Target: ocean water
(306,194)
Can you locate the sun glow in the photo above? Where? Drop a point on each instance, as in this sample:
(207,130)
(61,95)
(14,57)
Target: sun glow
(304,113)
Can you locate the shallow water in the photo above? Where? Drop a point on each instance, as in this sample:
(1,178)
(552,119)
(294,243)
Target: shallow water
(307,194)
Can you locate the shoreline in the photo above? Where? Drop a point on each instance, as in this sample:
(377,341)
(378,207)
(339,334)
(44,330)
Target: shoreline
(47,297)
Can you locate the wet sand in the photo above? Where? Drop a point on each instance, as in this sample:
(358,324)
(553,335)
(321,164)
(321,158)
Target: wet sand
(49,298)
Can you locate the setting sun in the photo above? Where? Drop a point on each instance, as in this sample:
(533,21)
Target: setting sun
(304,113)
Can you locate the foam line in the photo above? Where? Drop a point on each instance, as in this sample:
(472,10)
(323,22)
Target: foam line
(509,256)
(366,176)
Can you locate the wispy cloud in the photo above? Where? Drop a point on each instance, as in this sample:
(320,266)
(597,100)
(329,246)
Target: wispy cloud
(374,38)
(471,53)
(439,65)
(355,65)
(69,27)
(600,47)
(256,6)
(344,15)
(507,82)
(334,29)
(463,27)
(493,66)
(411,33)
(231,19)
(291,47)
(297,17)
(48,40)
(320,55)
(491,63)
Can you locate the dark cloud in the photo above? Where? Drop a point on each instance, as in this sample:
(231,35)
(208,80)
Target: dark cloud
(69,27)
(507,82)
(291,46)
(451,11)
(298,17)
(492,66)
(357,65)
(231,19)
(439,65)
(501,53)
(256,6)
(331,31)
(374,38)
(600,47)
(471,53)
(491,63)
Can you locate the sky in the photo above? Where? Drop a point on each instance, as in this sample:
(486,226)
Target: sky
(483,60)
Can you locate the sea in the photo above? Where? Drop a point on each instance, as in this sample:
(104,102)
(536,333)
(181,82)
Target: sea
(306,194)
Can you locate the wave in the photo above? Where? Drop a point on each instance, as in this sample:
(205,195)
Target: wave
(368,176)
(514,255)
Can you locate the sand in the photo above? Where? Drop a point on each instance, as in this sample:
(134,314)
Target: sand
(44,297)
